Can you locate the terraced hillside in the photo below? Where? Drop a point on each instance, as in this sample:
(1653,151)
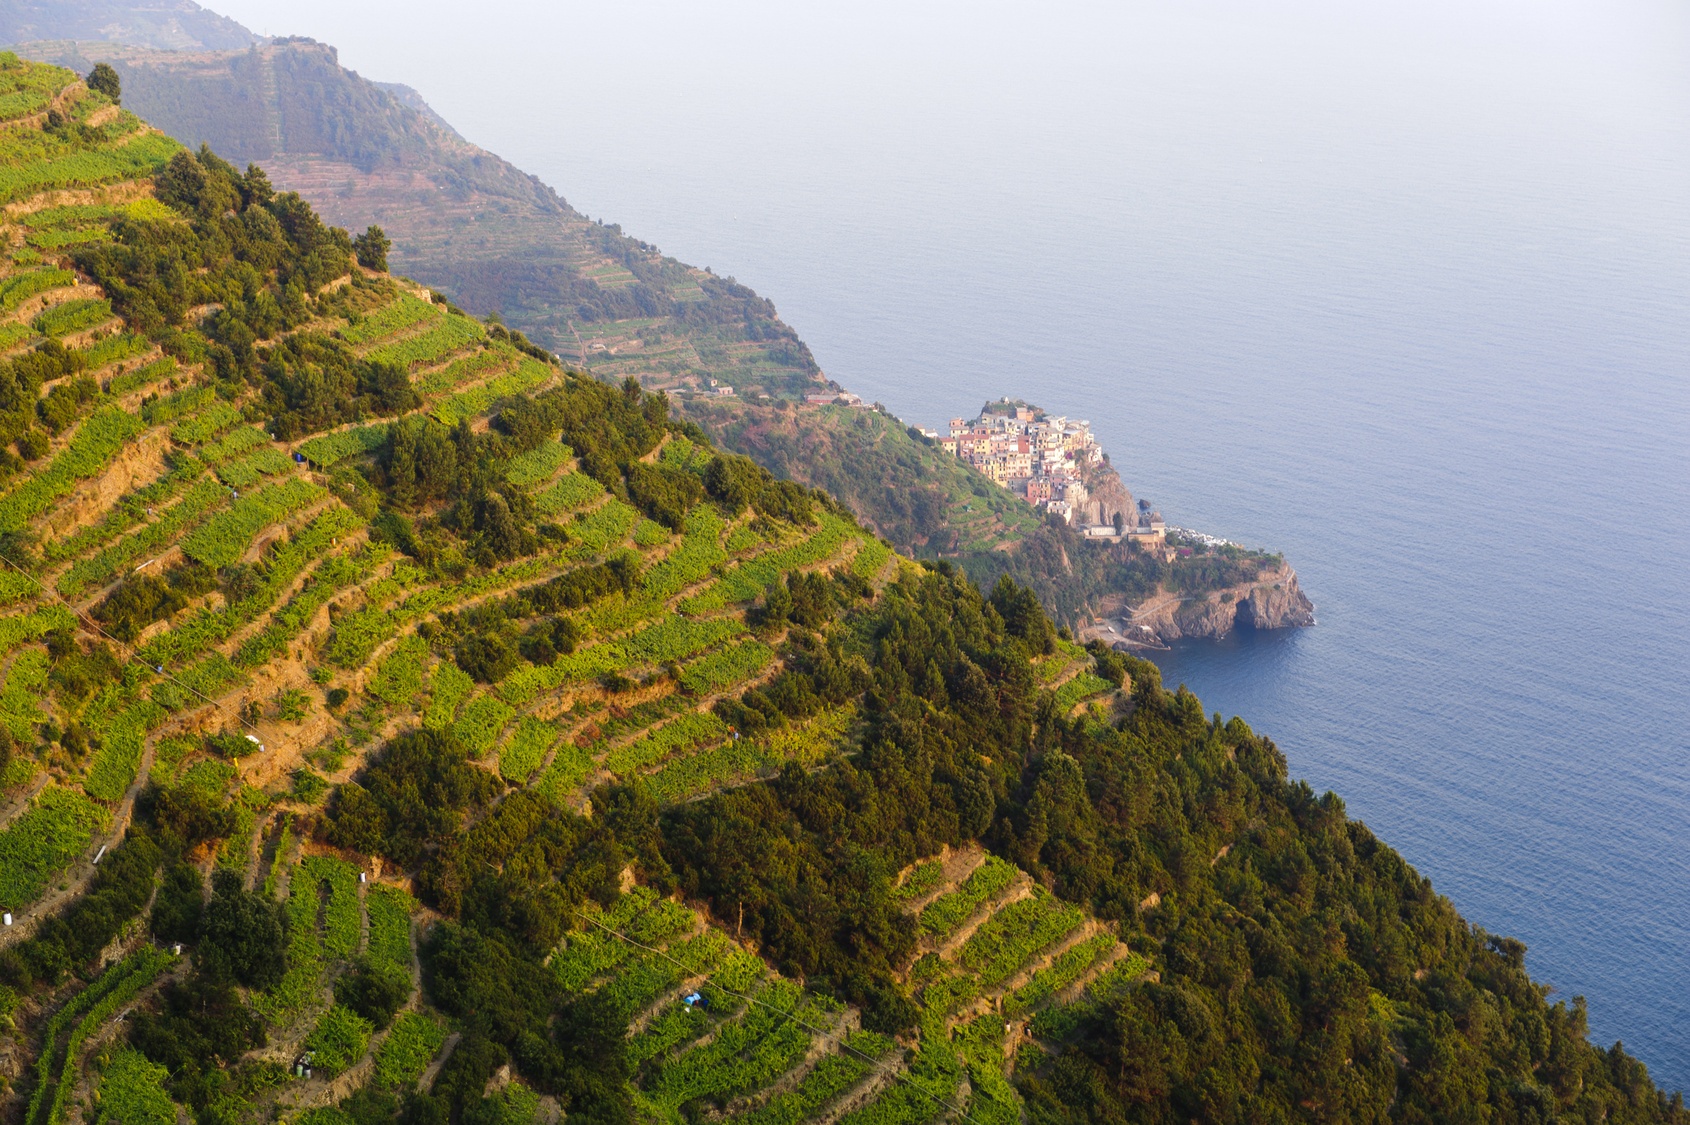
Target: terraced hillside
(396,726)
(1003,974)
(462,219)
(192,555)
(258,522)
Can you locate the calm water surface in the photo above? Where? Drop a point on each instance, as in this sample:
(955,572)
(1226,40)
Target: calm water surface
(1401,291)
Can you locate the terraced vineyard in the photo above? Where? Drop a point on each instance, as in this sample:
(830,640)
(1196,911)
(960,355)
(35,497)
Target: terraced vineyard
(152,467)
(1011,974)
(235,588)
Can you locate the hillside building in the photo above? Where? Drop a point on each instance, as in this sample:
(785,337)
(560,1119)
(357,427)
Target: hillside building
(1032,453)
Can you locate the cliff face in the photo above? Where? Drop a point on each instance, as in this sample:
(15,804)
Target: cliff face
(1107,497)
(1273,600)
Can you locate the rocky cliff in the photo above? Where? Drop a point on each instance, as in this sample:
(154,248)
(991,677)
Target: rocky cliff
(1108,496)
(1272,600)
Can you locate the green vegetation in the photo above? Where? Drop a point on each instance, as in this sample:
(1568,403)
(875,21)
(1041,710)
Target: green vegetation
(225,537)
(327,449)
(144,376)
(452,333)
(20,287)
(407,1050)
(467,404)
(73,316)
(451,687)
(341,921)
(923,880)
(727,667)
(206,424)
(782,719)
(110,349)
(479,725)
(132,1092)
(945,913)
(681,735)
(401,675)
(538,465)
(402,313)
(56,828)
(390,925)
(60,165)
(339,1040)
(1080,688)
(1013,935)
(95,443)
(526,750)
(832,1076)
(571,491)
(55,1070)
(1063,971)
(119,757)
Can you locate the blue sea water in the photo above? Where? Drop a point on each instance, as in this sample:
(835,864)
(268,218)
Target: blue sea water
(1400,290)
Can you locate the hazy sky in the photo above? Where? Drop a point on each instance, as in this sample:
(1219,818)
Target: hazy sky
(1058,115)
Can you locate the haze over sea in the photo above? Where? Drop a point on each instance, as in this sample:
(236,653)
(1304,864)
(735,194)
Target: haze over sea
(1400,290)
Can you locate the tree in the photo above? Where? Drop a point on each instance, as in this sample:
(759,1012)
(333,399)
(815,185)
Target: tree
(375,989)
(103,79)
(733,481)
(179,904)
(372,247)
(241,934)
(487,658)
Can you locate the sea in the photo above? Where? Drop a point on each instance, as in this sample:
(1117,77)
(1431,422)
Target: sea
(1402,291)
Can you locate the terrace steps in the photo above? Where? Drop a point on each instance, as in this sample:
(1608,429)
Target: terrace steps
(890,1069)
(1047,956)
(1021,887)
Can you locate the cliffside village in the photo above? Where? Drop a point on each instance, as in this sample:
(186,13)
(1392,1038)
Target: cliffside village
(1042,458)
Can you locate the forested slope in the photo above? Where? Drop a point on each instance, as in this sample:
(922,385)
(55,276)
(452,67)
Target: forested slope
(460,717)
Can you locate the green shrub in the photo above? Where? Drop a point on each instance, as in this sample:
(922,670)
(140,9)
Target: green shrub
(340,1039)
(407,1050)
(73,316)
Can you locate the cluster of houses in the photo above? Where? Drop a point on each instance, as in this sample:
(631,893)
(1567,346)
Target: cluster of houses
(1040,457)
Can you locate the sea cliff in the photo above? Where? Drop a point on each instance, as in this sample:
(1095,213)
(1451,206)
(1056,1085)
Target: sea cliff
(1271,600)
